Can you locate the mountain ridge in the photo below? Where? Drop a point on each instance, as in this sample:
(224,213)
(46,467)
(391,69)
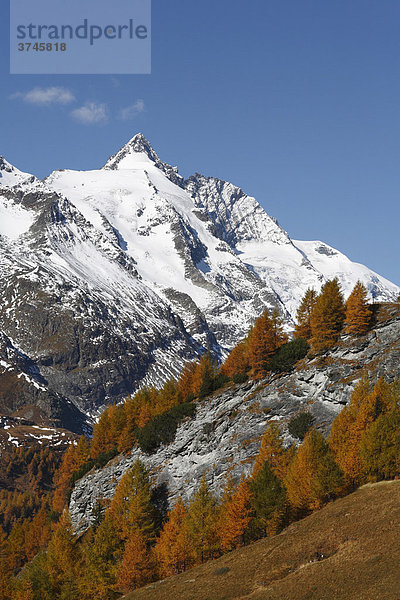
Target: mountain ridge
(122,274)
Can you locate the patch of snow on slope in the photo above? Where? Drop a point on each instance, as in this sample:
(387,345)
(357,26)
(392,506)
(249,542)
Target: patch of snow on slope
(14,220)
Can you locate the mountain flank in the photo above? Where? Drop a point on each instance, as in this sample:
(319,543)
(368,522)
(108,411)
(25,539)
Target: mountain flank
(225,433)
(349,550)
(114,278)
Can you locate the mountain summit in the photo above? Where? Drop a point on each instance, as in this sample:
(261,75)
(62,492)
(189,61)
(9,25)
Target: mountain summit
(114,277)
(136,152)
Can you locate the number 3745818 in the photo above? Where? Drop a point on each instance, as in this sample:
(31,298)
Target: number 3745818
(42,47)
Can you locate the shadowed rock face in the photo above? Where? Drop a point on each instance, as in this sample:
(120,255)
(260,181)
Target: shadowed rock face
(73,305)
(225,433)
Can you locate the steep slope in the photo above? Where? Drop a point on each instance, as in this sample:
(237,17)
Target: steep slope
(72,301)
(172,243)
(289,267)
(349,549)
(225,433)
(203,244)
(115,277)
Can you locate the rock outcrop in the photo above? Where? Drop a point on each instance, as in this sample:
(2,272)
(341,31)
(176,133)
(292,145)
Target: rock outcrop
(224,436)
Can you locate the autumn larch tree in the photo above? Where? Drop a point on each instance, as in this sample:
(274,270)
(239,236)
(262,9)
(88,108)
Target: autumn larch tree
(272,451)
(102,551)
(174,549)
(202,522)
(313,476)
(380,447)
(358,312)
(73,459)
(303,326)
(265,338)
(131,506)
(235,514)
(62,559)
(365,406)
(327,317)
(137,566)
(186,382)
(238,360)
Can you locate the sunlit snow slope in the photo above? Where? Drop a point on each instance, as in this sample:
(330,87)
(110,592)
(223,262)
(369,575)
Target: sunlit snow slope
(115,277)
(205,240)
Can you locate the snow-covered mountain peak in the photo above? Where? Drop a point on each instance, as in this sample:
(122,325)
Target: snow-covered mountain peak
(136,153)
(10,175)
(115,277)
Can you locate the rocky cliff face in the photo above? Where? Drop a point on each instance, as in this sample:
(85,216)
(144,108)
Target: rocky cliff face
(224,436)
(115,277)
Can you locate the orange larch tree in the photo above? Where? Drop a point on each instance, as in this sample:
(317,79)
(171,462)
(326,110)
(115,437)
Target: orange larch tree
(303,326)
(237,361)
(186,381)
(265,338)
(313,476)
(174,549)
(353,421)
(327,317)
(234,515)
(358,312)
(137,566)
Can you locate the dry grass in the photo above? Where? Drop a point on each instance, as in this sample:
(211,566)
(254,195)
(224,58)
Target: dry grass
(350,550)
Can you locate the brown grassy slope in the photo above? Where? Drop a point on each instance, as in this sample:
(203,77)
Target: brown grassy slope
(349,550)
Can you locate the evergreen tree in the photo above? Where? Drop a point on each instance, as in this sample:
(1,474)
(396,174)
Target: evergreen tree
(327,317)
(204,377)
(299,424)
(303,327)
(358,312)
(268,497)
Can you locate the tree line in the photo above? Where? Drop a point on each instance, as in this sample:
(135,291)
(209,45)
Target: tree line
(134,538)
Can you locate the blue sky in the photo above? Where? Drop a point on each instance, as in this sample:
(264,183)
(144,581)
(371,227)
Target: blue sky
(296,101)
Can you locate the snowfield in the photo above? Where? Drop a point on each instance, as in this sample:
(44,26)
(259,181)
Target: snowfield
(115,277)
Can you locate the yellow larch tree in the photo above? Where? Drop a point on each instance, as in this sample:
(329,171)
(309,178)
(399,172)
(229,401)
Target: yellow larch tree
(202,522)
(272,450)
